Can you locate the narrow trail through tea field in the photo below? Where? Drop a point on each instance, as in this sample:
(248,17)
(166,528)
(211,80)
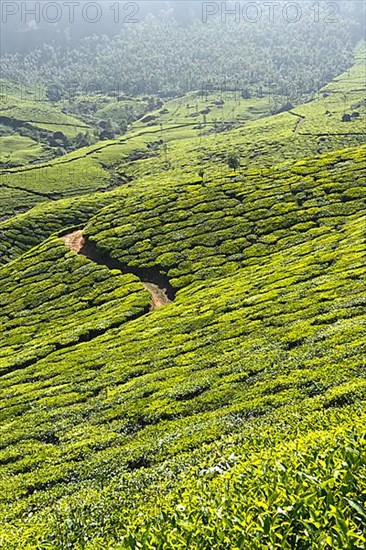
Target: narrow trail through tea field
(300,121)
(162,293)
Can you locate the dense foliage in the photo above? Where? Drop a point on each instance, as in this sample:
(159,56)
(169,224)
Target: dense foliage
(159,55)
(231,417)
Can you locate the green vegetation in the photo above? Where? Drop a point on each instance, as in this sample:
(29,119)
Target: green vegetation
(297,493)
(18,150)
(32,129)
(190,146)
(209,53)
(200,231)
(22,232)
(65,299)
(232,417)
(228,353)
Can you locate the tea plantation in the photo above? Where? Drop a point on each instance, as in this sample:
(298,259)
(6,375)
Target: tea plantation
(232,417)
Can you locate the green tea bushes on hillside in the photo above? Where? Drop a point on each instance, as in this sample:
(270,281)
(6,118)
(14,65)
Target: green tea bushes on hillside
(225,356)
(60,178)
(16,150)
(279,488)
(280,484)
(336,117)
(20,233)
(126,149)
(233,415)
(35,130)
(20,106)
(13,201)
(51,298)
(119,112)
(262,143)
(354,77)
(211,109)
(54,181)
(308,492)
(174,152)
(339,109)
(305,130)
(86,170)
(188,150)
(198,232)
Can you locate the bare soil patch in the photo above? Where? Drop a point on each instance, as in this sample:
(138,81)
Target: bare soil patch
(153,281)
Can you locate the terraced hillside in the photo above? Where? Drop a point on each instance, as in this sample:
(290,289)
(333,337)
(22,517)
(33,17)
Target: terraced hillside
(37,126)
(177,148)
(33,130)
(232,416)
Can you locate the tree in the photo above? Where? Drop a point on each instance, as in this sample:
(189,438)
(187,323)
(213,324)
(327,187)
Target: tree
(53,93)
(233,161)
(82,140)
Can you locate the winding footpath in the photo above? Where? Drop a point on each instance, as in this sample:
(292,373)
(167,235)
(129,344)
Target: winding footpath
(76,242)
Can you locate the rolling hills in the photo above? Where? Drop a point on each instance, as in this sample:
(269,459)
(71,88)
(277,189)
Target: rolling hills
(232,416)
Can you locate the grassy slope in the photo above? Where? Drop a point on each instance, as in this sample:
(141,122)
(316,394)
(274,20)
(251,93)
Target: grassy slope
(19,149)
(21,104)
(288,334)
(213,229)
(225,417)
(260,142)
(59,299)
(30,105)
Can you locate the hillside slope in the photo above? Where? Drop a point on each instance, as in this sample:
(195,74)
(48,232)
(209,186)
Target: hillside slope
(176,146)
(231,417)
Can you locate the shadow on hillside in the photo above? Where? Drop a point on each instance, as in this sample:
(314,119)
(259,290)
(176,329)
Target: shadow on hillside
(153,280)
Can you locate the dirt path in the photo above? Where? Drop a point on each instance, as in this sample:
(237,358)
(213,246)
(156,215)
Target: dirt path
(158,295)
(76,242)
(299,123)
